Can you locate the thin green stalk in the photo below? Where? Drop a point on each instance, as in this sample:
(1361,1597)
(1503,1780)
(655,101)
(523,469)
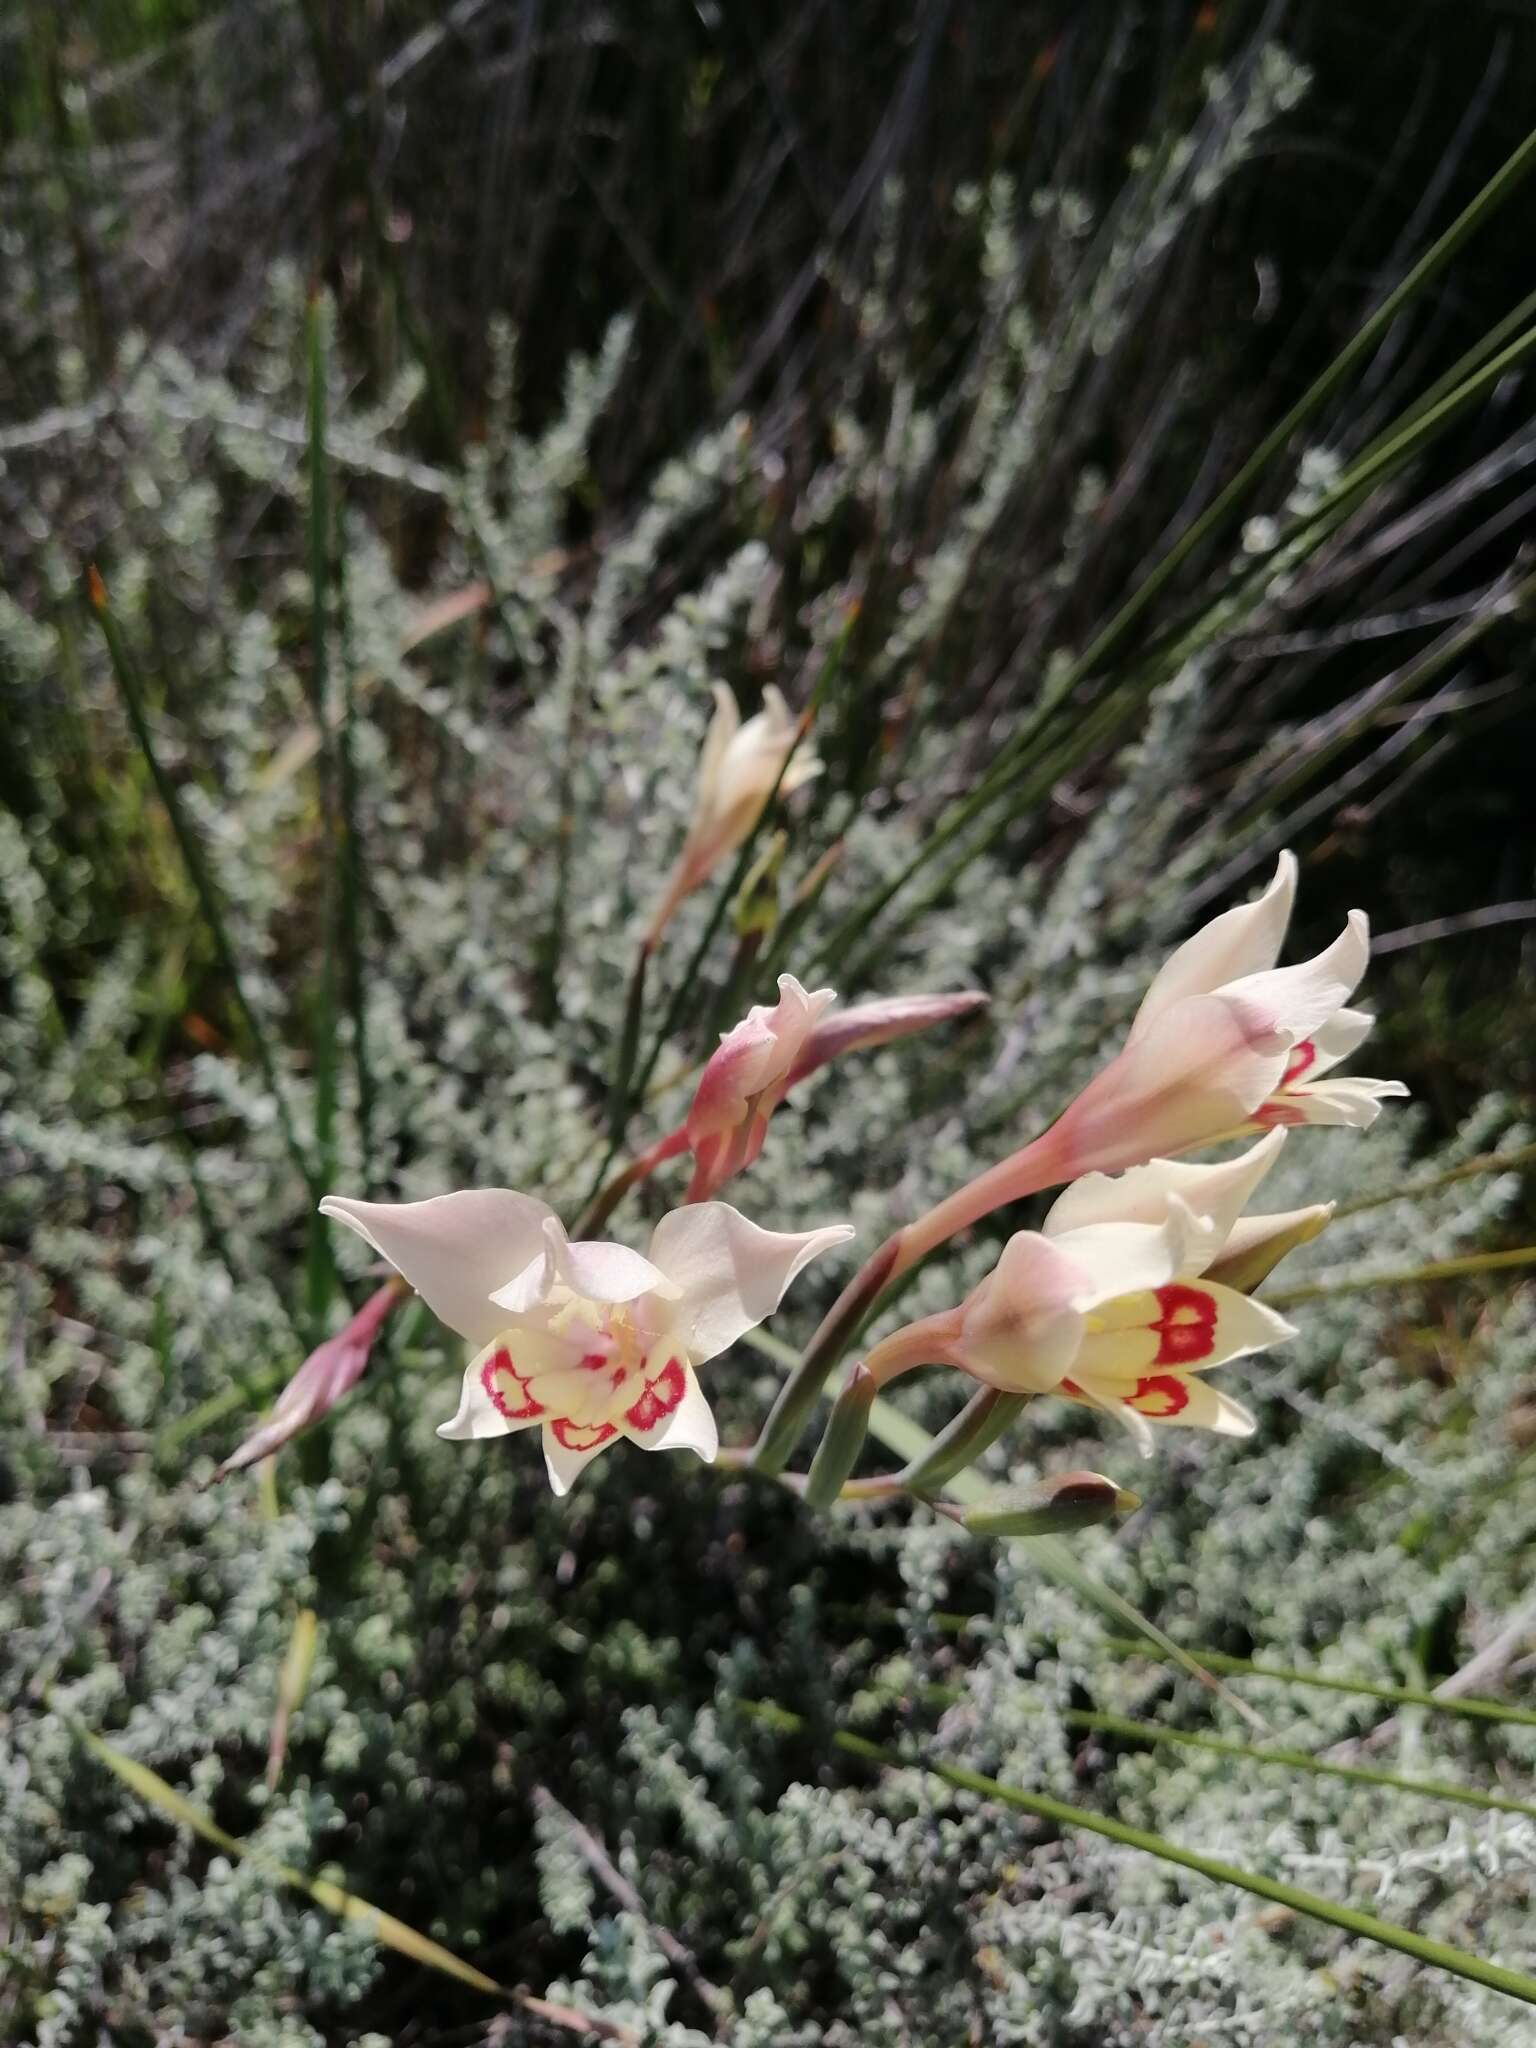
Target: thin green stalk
(1408,1276)
(125,669)
(1490,1162)
(353,869)
(320,1264)
(1468,1707)
(1438,1955)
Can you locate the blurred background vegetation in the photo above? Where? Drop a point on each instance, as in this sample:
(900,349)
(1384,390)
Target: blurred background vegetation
(446,394)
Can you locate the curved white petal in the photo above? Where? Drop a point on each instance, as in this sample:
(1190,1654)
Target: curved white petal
(1302,999)
(1240,942)
(728,1273)
(565,1464)
(1337,1039)
(1345,1099)
(1218,1193)
(455,1250)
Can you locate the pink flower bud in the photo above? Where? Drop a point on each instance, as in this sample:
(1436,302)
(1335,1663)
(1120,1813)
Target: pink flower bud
(331,1370)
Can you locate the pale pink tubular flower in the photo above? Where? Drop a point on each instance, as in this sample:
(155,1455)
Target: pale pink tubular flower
(590,1342)
(330,1371)
(1112,1303)
(745,1080)
(738,767)
(1210,1047)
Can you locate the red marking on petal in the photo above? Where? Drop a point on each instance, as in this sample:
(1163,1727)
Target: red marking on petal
(581,1436)
(593,1361)
(1276,1115)
(1186,1328)
(1302,1057)
(661,1396)
(518,1407)
(1158,1393)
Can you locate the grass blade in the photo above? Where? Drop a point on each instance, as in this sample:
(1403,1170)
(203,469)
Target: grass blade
(385,1928)
(129,683)
(320,1264)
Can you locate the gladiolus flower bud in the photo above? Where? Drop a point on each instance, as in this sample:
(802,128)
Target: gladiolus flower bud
(738,768)
(330,1371)
(1074,1500)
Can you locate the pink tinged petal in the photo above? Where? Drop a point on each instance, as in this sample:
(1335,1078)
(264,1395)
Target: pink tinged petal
(1240,942)
(569,1447)
(1196,1073)
(734,1072)
(727,1273)
(877,1023)
(331,1370)
(1184,1326)
(1021,1327)
(1300,1000)
(455,1250)
(672,1414)
(1218,1193)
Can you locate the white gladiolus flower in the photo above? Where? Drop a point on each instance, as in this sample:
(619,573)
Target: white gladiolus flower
(590,1342)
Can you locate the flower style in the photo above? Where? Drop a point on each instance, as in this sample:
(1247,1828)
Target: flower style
(745,1080)
(589,1341)
(1220,1046)
(1112,1302)
(738,767)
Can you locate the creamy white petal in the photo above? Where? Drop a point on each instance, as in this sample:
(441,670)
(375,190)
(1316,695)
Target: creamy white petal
(1219,1193)
(1337,1039)
(729,1273)
(1240,942)
(1344,1099)
(1126,1258)
(565,1465)
(455,1249)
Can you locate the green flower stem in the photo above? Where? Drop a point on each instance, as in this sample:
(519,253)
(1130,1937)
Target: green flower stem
(800,1392)
(1407,1276)
(1438,1955)
(974,1430)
